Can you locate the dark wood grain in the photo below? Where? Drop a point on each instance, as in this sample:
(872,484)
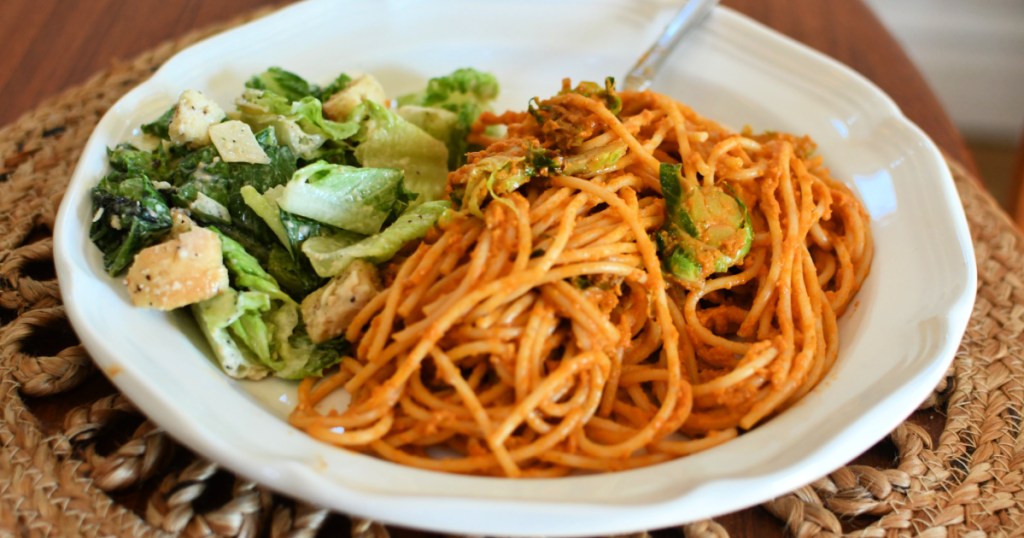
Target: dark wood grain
(51,45)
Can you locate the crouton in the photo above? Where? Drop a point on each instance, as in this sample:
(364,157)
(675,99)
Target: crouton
(363,87)
(236,143)
(193,116)
(184,270)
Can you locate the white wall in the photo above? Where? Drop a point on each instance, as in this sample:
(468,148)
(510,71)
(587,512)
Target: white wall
(972,53)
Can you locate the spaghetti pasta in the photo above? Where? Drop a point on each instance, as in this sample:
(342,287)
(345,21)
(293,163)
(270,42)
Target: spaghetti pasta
(539,329)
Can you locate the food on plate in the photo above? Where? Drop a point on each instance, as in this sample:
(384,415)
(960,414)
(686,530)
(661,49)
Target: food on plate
(243,215)
(183,270)
(602,281)
(619,282)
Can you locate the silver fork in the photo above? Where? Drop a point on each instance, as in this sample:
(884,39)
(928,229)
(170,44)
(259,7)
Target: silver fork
(691,14)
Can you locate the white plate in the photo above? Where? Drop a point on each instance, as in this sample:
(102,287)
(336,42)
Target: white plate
(896,343)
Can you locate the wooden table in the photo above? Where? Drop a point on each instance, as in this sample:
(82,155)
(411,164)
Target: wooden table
(51,45)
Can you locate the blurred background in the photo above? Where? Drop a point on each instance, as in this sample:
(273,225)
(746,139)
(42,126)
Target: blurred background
(972,53)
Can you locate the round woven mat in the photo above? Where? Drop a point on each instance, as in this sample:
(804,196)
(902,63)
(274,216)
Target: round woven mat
(76,458)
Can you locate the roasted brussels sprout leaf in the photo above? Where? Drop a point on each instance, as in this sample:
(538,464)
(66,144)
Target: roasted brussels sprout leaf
(707,230)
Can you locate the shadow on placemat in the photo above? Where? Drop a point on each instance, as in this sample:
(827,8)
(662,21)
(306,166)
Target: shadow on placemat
(77,458)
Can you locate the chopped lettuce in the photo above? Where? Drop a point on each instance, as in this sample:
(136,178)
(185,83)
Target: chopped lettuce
(284,83)
(200,174)
(466,92)
(202,170)
(299,124)
(334,87)
(331,256)
(285,261)
(300,228)
(245,270)
(248,228)
(126,160)
(129,213)
(265,205)
(355,199)
(293,272)
(160,127)
(293,87)
(255,328)
(294,109)
(389,141)
(215,317)
(310,114)
(437,122)
(328,193)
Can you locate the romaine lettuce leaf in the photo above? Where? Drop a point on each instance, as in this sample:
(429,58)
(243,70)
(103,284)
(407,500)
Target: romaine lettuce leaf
(127,160)
(202,170)
(299,124)
(255,328)
(200,174)
(282,82)
(355,199)
(467,92)
(215,316)
(330,256)
(245,270)
(285,261)
(293,272)
(310,116)
(129,213)
(293,87)
(334,87)
(437,122)
(300,228)
(389,141)
(265,205)
(160,127)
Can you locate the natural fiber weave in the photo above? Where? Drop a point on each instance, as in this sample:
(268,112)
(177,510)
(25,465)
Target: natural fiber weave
(76,458)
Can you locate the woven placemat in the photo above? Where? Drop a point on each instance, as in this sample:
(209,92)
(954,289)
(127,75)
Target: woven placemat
(76,458)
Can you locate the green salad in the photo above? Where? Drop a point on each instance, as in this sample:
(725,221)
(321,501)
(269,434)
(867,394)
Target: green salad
(263,219)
